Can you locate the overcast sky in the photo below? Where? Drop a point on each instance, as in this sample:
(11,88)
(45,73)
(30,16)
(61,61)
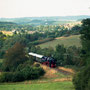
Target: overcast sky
(32,8)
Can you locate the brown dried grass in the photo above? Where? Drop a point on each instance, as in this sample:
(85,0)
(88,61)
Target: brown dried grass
(63,79)
(50,72)
(66,69)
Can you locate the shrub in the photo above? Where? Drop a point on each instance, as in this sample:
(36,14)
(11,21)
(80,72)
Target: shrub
(40,71)
(32,72)
(6,77)
(11,77)
(0,66)
(37,65)
(22,73)
(41,41)
(17,76)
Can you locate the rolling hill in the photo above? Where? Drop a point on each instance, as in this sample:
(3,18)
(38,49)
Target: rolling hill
(45,20)
(67,41)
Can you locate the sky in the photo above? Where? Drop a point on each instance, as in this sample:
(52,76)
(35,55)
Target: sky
(38,8)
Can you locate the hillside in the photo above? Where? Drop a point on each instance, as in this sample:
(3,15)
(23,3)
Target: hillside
(46,20)
(52,80)
(52,18)
(67,41)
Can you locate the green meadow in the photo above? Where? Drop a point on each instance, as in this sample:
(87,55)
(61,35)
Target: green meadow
(66,41)
(44,86)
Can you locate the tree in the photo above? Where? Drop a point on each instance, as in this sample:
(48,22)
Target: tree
(73,56)
(14,56)
(82,79)
(85,39)
(2,38)
(59,54)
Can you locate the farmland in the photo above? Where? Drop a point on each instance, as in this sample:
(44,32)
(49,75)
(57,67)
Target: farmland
(67,41)
(7,32)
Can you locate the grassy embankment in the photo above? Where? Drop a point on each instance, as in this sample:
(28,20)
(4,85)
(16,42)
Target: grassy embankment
(67,41)
(52,80)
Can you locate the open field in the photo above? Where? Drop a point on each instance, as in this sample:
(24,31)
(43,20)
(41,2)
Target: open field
(44,86)
(7,32)
(67,41)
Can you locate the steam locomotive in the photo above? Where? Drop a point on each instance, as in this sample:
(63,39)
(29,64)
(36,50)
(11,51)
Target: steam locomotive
(49,61)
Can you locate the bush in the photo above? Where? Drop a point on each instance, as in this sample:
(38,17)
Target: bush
(11,77)
(2,54)
(37,65)
(81,80)
(30,73)
(0,66)
(41,41)
(6,77)
(22,73)
(40,70)
(17,76)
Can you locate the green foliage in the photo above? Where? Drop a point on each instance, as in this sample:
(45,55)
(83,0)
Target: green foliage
(59,55)
(41,41)
(2,39)
(66,56)
(82,79)
(6,77)
(62,55)
(37,65)
(85,38)
(22,73)
(1,61)
(32,72)
(48,51)
(73,56)
(41,34)
(17,77)
(11,77)
(13,57)
(2,53)
(7,26)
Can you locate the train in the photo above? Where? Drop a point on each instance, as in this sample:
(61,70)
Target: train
(49,61)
